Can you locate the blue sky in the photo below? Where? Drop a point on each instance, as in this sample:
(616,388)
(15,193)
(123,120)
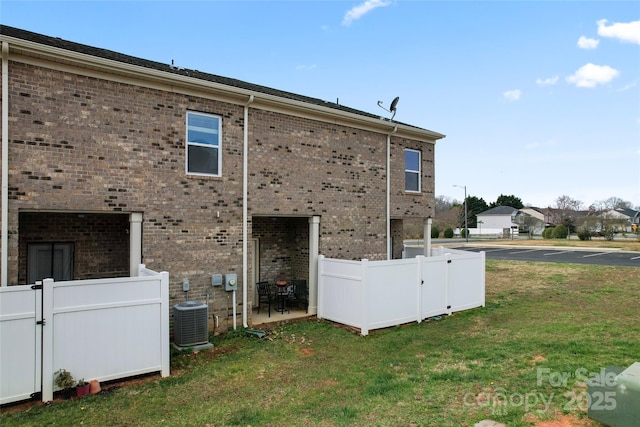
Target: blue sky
(537,99)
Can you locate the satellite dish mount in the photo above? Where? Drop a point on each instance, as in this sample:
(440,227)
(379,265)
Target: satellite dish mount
(392,107)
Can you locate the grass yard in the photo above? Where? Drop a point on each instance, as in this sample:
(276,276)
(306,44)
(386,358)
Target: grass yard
(506,362)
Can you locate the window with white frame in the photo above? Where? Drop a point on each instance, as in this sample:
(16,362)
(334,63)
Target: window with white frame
(412,170)
(203,144)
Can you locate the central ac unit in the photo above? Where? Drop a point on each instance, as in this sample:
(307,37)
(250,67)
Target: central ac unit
(190,323)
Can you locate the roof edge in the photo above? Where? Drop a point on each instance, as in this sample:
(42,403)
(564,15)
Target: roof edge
(87,57)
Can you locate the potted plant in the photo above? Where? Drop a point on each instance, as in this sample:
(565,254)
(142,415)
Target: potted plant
(82,387)
(64,380)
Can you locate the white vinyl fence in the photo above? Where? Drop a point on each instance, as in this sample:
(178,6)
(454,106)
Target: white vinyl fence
(378,294)
(101,329)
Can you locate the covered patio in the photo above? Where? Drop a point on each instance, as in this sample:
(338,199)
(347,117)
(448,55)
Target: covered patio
(284,252)
(262,317)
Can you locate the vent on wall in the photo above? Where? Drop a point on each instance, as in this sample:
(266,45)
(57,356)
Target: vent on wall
(190,326)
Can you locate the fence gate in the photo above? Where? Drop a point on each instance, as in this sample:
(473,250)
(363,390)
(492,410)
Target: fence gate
(20,342)
(435,284)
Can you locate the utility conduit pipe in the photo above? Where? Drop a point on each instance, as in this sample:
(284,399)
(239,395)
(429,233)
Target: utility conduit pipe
(4,245)
(245,219)
(389,248)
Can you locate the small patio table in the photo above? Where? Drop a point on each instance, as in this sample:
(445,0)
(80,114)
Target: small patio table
(281,293)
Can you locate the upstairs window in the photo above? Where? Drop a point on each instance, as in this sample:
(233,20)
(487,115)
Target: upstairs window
(412,171)
(203,144)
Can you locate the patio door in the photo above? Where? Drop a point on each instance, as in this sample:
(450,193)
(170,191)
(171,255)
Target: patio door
(49,260)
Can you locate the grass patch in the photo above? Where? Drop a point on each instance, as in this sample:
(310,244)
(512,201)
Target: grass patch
(455,371)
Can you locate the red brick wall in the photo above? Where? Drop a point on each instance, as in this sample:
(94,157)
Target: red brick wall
(284,247)
(83,144)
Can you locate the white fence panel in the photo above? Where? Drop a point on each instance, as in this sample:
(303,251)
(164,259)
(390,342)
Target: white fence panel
(340,291)
(378,294)
(110,328)
(434,287)
(466,281)
(455,252)
(391,293)
(96,329)
(20,342)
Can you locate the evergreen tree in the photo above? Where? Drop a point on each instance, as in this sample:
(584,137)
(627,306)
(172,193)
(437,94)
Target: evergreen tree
(511,201)
(474,207)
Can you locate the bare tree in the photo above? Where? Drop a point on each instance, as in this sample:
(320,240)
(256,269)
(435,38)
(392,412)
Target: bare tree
(615,203)
(608,221)
(568,208)
(443,204)
(566,203)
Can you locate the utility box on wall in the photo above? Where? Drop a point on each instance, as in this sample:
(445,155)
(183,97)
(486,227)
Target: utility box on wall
(216,280)
(231,282)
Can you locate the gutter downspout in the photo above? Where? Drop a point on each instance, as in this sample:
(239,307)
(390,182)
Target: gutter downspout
(5,166)
(389,248)
(245,190)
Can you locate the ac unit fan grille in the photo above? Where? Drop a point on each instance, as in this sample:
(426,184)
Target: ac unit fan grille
(190,326)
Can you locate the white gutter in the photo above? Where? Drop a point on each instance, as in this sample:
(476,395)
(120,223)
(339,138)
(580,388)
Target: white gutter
(245,219)
(5,164)
(389,247)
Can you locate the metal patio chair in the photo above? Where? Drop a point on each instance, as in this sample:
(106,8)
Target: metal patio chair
(264,295)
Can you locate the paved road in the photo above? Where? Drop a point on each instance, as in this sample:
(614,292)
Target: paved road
(569,255)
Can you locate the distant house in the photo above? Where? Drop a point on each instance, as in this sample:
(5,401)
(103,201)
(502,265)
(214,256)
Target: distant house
(531,220)
(498,218)
(552,216)
(621,219)
(534,212)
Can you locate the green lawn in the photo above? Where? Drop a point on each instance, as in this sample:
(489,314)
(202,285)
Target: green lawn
(542,322)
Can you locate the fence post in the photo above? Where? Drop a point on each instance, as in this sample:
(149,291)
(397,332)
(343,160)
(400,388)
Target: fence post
(164,328)
(320,286)
(364,310)
(39,336)
(419,285)
(482,276)
(447,258)
(47,340)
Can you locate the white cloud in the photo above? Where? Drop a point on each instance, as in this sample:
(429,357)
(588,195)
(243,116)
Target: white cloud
(512,95)
(587,43)
(538,144)
(591,75)
(629,86)
(359,11)
(624,31)
(306,67)
(548,81)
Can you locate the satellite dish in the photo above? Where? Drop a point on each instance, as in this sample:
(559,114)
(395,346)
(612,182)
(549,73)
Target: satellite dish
(394,103)
(392,108)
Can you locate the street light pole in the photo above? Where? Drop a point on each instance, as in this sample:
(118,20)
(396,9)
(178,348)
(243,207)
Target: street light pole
(466,228)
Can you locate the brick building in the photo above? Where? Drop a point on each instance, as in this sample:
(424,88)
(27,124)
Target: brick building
(111,160)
